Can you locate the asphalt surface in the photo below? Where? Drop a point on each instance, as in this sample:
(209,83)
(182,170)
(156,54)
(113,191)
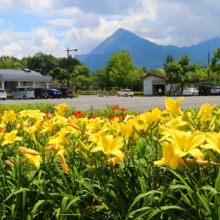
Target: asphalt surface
(132,103)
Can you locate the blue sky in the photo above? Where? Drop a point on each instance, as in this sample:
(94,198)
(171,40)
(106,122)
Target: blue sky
(50,26)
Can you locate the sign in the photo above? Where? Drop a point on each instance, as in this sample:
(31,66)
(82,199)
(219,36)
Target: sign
(73,84)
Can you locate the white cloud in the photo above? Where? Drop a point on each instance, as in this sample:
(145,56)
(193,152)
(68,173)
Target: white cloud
(2,21)
(180,23)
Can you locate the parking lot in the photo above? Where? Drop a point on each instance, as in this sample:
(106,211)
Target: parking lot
(131,103)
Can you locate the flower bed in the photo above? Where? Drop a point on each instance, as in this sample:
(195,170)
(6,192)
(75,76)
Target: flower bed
(110,164)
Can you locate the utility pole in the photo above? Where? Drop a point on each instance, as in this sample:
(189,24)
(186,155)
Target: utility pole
(208,65)
(68,77)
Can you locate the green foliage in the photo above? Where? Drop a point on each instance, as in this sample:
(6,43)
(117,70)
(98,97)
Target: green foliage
(138,93)
(120,69)
(169,59)
(179,72)
(81,71)
(58,74)
(7,63)
(100,79)
(80,92)
(215,65)
(158,71)
(136,81)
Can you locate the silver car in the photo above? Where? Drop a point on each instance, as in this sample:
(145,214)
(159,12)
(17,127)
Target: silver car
(215,90)
(3,94)
(190,91)
(25,92)
(125,92)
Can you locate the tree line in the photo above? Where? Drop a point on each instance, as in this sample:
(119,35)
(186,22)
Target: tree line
(120,72)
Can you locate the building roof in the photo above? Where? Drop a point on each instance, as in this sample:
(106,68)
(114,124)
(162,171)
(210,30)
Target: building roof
(156,75)
(23,75)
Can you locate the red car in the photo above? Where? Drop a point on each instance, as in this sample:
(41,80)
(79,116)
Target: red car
(66,92)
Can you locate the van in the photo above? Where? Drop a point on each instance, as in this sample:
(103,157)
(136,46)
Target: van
(25,92)
(205,90)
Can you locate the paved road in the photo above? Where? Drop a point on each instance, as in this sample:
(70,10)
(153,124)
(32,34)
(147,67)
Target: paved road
(132,103)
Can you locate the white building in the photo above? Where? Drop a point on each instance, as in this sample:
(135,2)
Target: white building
(152,83)
(10,79)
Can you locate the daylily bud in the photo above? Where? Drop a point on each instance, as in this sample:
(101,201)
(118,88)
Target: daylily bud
(200,113)
(133,150)
(25,150)
(212,121)
(9,163)
(63,163)
(86,157)
(138,132)
(211,155)
(192,111)
(52,147)
(185,199)
(155,125)
(203,162)
(190,119)
(213,128)
(82,145)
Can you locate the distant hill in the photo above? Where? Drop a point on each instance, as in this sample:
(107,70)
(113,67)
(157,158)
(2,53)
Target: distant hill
(144,52)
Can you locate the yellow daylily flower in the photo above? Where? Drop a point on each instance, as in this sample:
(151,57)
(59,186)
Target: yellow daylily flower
(49,126)
(25,113)
(186,143)
(127,129)
(60,120)
(34,159)
(151,117)
(170,158)
(175,124)
(7,117)
(94,125)
(173,107)
(207,113)
(109,146)
(213,140)
(95,137)
(61,109)
(59,138)
(11,138)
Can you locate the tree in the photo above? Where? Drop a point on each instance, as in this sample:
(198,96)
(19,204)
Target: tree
(158,71)
(81,70)
(99,78)
(42,63)
(180,71)
(137,82)
(169,59)
(215,65)
(81,81)
(58,74)
(7,63)
(73,62)
(120,69)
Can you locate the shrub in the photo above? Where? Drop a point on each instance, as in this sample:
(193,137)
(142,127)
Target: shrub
(8,95)
(138,93)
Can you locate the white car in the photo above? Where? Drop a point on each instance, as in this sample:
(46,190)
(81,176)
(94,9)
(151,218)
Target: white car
(3,94)
(125,92)
(190,91)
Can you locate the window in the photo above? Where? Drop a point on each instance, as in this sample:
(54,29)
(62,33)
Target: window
(17,90)
(21,89)
(24,83)
(30,89)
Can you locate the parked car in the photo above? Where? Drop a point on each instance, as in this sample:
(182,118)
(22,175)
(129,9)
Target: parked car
(41,93)
(3,94)
(125,92)
(190,91)
(25,92)
(54,93)
(205,90)
(66,92)
(215,90)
